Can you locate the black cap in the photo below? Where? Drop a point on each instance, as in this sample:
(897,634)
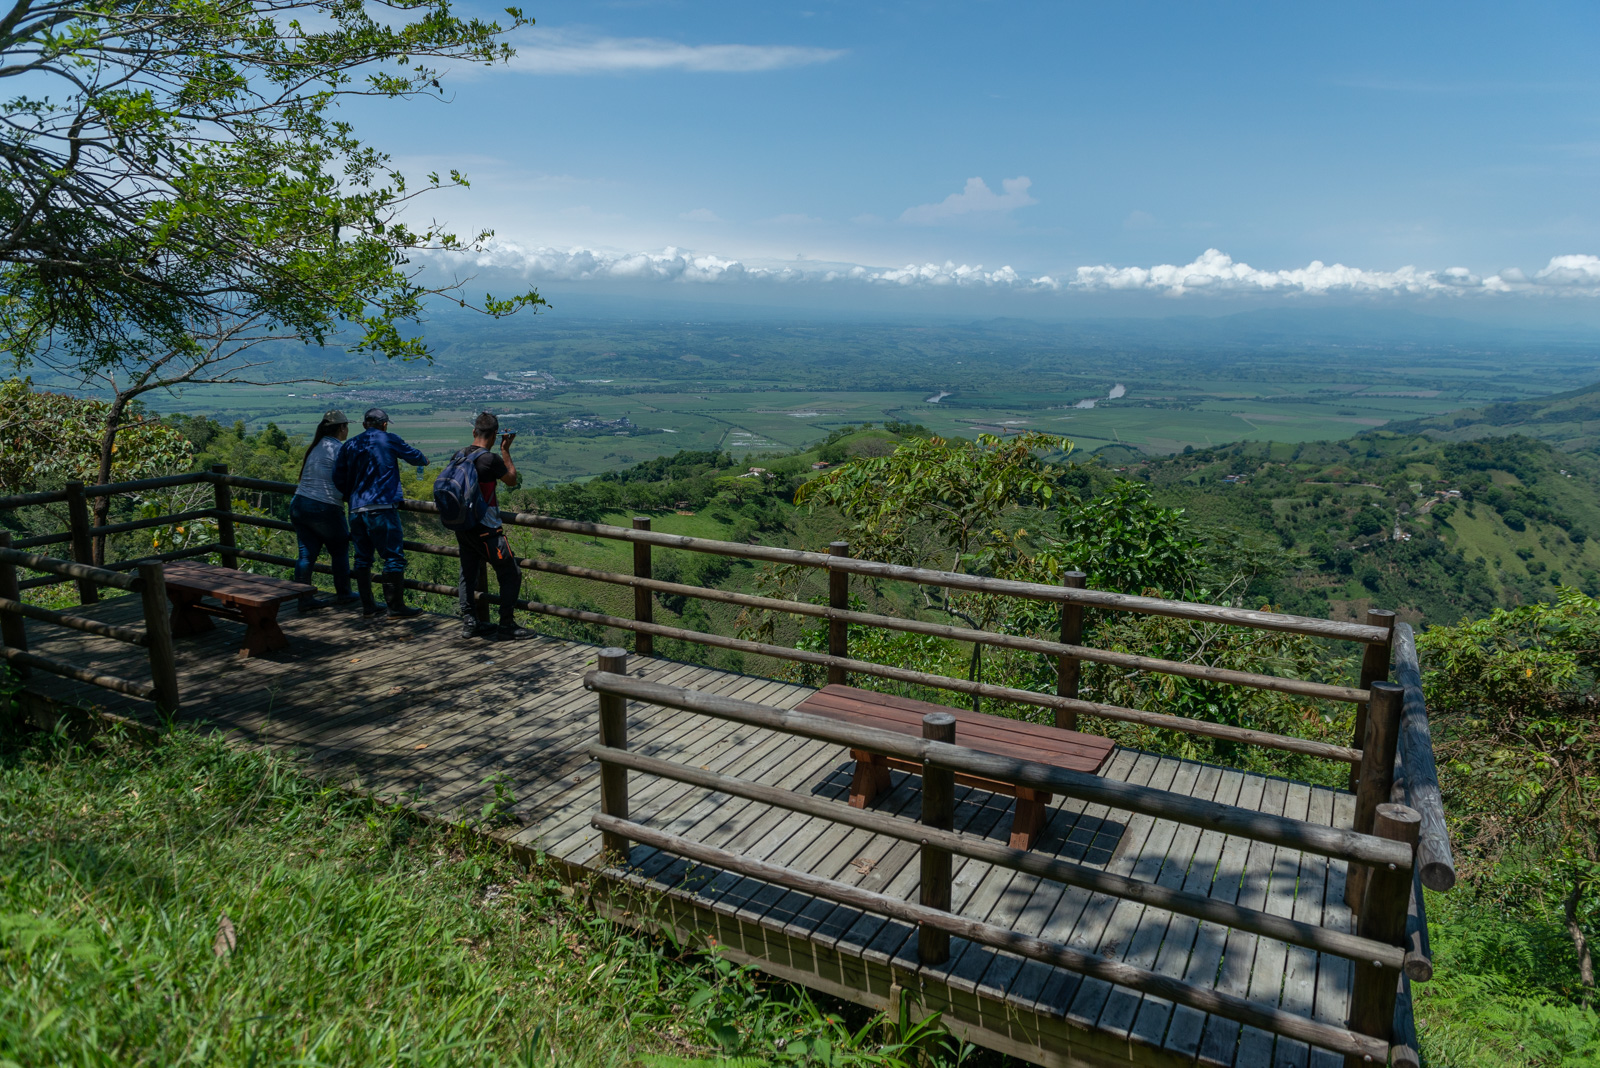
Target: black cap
(375,417)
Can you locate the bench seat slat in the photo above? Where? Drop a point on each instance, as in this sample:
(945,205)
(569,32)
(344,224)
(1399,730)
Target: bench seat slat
(975,730)
(991,734)
(232,587)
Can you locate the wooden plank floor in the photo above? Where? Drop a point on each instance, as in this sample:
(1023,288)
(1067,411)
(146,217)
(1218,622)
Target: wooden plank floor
(410,711)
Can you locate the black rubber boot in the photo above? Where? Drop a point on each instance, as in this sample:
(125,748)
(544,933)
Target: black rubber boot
(394,593)
(369,608)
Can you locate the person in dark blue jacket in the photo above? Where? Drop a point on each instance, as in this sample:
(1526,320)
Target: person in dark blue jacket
(367,472)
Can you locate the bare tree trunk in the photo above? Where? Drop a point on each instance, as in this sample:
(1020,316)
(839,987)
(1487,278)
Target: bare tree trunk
(975,672)
(1579,940)
(108,444)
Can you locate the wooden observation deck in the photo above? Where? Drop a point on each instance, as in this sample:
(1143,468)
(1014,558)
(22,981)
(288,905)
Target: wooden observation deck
(1172,912)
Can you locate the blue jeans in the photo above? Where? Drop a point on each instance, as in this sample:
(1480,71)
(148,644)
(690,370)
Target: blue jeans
(378,533)
(320,525)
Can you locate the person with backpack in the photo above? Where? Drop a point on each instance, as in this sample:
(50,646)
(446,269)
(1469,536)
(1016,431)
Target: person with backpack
(367,472)
(317,513)
(466,493)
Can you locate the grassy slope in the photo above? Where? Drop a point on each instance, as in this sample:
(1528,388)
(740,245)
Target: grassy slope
(360,936)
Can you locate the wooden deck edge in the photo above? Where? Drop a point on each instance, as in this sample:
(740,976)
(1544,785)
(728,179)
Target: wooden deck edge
(46,713)
(992,1023)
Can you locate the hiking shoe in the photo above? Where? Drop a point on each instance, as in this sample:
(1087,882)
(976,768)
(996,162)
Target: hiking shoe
(394,596)
(510,632)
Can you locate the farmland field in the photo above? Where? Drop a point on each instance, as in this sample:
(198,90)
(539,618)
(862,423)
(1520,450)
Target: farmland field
(593,396)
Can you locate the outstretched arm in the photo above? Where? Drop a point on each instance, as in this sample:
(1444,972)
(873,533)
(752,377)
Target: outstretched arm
(407,452)
(512,479)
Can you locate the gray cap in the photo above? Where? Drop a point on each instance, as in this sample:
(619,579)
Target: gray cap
(333,417)
(375,417)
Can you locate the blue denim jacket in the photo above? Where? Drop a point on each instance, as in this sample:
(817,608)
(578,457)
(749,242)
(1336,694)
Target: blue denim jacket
(367,471)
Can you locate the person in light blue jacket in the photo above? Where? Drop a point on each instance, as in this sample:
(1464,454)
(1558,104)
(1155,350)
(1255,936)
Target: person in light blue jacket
(317,512)
(367,472)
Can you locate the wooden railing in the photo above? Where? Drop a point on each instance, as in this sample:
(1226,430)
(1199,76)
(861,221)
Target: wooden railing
(1371,756)
(1378,951)
(1390,755)
(155,637)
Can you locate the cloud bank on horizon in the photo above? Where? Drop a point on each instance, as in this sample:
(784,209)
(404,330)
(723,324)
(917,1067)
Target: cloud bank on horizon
(1211,273)
(566,52)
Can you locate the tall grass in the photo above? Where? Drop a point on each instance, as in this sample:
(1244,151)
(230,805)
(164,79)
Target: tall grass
(1504,988)
(195,904)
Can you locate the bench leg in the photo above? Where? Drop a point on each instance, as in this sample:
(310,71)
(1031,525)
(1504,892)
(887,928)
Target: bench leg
(871,777)
(1031,813)
(187,619)
(261,631)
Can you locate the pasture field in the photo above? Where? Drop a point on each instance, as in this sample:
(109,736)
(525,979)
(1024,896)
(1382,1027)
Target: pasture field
(758,388)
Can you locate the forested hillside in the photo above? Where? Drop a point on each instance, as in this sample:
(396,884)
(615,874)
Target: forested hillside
(1437,530)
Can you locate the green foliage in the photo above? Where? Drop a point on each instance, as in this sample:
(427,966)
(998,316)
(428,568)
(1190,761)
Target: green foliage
(1124,541)
(48,439)
(179,176)
(1517,735)
(1503,987)
(936,503)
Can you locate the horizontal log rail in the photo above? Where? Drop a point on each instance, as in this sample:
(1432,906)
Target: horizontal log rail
(1323,628)
(154,521)
(161,482)
(116,683)
(69,569)
(42,539)
(1282,831)
(1362,950)
(1231,1006)
(131,635)
(1420,773)
(1162,720)
(1202,672)
(28,500)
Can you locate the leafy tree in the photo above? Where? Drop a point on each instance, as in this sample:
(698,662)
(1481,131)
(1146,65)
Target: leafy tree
(1124,541)
(936,503)
(48,439)
(176,192)
(1517,731)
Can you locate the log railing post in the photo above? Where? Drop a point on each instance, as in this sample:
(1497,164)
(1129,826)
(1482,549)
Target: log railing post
(222,494)
(82,544)
(1376,772)
(614,735)
(838,598)
(1374,668)
(938,812)
(13,628)
(643,598)
(1067,667)
(158,630)
(1381,916)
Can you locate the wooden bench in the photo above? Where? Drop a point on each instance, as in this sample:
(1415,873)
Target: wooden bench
(975,730)
(245,598)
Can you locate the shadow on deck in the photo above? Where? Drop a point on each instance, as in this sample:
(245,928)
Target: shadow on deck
(409,711)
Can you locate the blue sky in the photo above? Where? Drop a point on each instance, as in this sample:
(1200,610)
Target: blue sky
(1062,153)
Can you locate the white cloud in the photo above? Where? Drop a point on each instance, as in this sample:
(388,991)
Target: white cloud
(1213,272)
(563,52)
(670,264)
(700,215)
(977,197)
